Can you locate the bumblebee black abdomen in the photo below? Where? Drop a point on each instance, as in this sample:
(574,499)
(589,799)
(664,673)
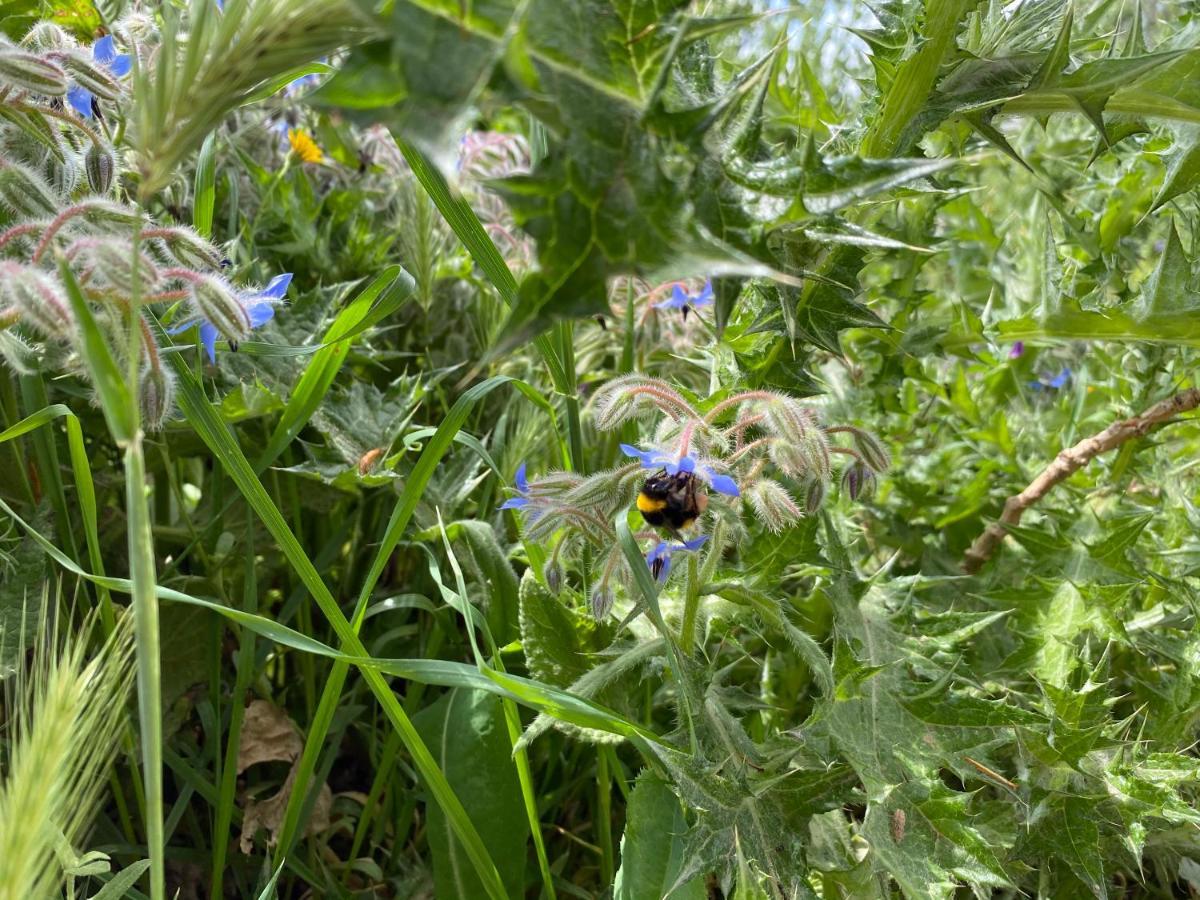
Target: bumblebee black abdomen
(671,501)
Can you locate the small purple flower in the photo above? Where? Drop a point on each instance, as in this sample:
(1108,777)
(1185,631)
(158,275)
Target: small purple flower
(104,51)
(681,299)
(522,485)
(1017,349)
(659,558)
(673,465)
(260,309)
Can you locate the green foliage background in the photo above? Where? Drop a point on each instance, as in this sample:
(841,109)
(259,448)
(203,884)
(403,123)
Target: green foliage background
(915,215)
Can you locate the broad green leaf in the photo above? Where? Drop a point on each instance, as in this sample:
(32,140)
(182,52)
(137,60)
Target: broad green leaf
(466,731)
(652,845)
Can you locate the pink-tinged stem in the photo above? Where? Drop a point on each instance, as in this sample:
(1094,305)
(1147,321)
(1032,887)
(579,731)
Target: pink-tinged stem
(736,400)
(685,439)
(63,217)
(17,231)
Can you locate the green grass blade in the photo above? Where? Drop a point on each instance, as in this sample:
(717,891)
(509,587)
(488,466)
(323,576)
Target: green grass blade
(116,397)
(216,436)
(205,187)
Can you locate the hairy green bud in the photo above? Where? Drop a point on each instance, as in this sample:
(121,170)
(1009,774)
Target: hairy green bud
(216,301)
(100,164)
(30,72)
(858,480)
(26,194)
(552,572)
(37,299)
(113,259)
(101,212)
(814,495)
(91,76)
(156,396)
(191,250)
(601,601)
(773,505)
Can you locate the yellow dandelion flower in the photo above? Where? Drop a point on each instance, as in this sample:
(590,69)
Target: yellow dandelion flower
(304,146)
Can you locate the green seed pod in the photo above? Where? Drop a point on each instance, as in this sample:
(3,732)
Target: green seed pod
(25,193)
(217,302)
(156,396)
(100,164)
(37,300)
(29,72)
(91,76)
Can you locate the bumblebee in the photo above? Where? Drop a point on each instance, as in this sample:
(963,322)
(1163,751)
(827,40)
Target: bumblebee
(672,501)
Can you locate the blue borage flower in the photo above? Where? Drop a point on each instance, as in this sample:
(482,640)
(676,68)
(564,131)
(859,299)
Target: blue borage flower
(657,459)
(104,51)
(681,299)
(1054,383)
(521,501)
(659,557)
(260,309)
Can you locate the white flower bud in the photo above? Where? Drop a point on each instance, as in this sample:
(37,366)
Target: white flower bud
(773,505)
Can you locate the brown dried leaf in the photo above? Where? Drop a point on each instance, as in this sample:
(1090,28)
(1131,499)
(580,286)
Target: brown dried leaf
(268,735)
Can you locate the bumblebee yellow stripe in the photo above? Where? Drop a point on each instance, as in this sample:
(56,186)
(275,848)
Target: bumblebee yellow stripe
(648,504)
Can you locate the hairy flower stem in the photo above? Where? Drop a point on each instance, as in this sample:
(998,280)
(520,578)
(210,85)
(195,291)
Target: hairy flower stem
(691,607)
(145,599)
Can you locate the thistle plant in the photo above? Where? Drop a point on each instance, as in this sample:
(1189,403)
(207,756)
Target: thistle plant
(759,449)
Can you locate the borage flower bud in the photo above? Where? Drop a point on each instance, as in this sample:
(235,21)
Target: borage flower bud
(100,165)
(91,75)
(26,194)
(814,495)
(190,249)
(601,601)
(100,211)
(859,481)
(552,572)
(773,505)
(156,396)
(114,260)
(217,303)
(37,299)
(873,452)
(29,72)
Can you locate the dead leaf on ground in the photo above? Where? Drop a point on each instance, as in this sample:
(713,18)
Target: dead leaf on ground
(269,735)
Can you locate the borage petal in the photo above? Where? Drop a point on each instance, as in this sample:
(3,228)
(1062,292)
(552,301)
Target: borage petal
(260,313)
(208,337)
(277,287)
(722,484)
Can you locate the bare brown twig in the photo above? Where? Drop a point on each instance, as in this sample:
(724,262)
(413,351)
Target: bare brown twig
(1067,463)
